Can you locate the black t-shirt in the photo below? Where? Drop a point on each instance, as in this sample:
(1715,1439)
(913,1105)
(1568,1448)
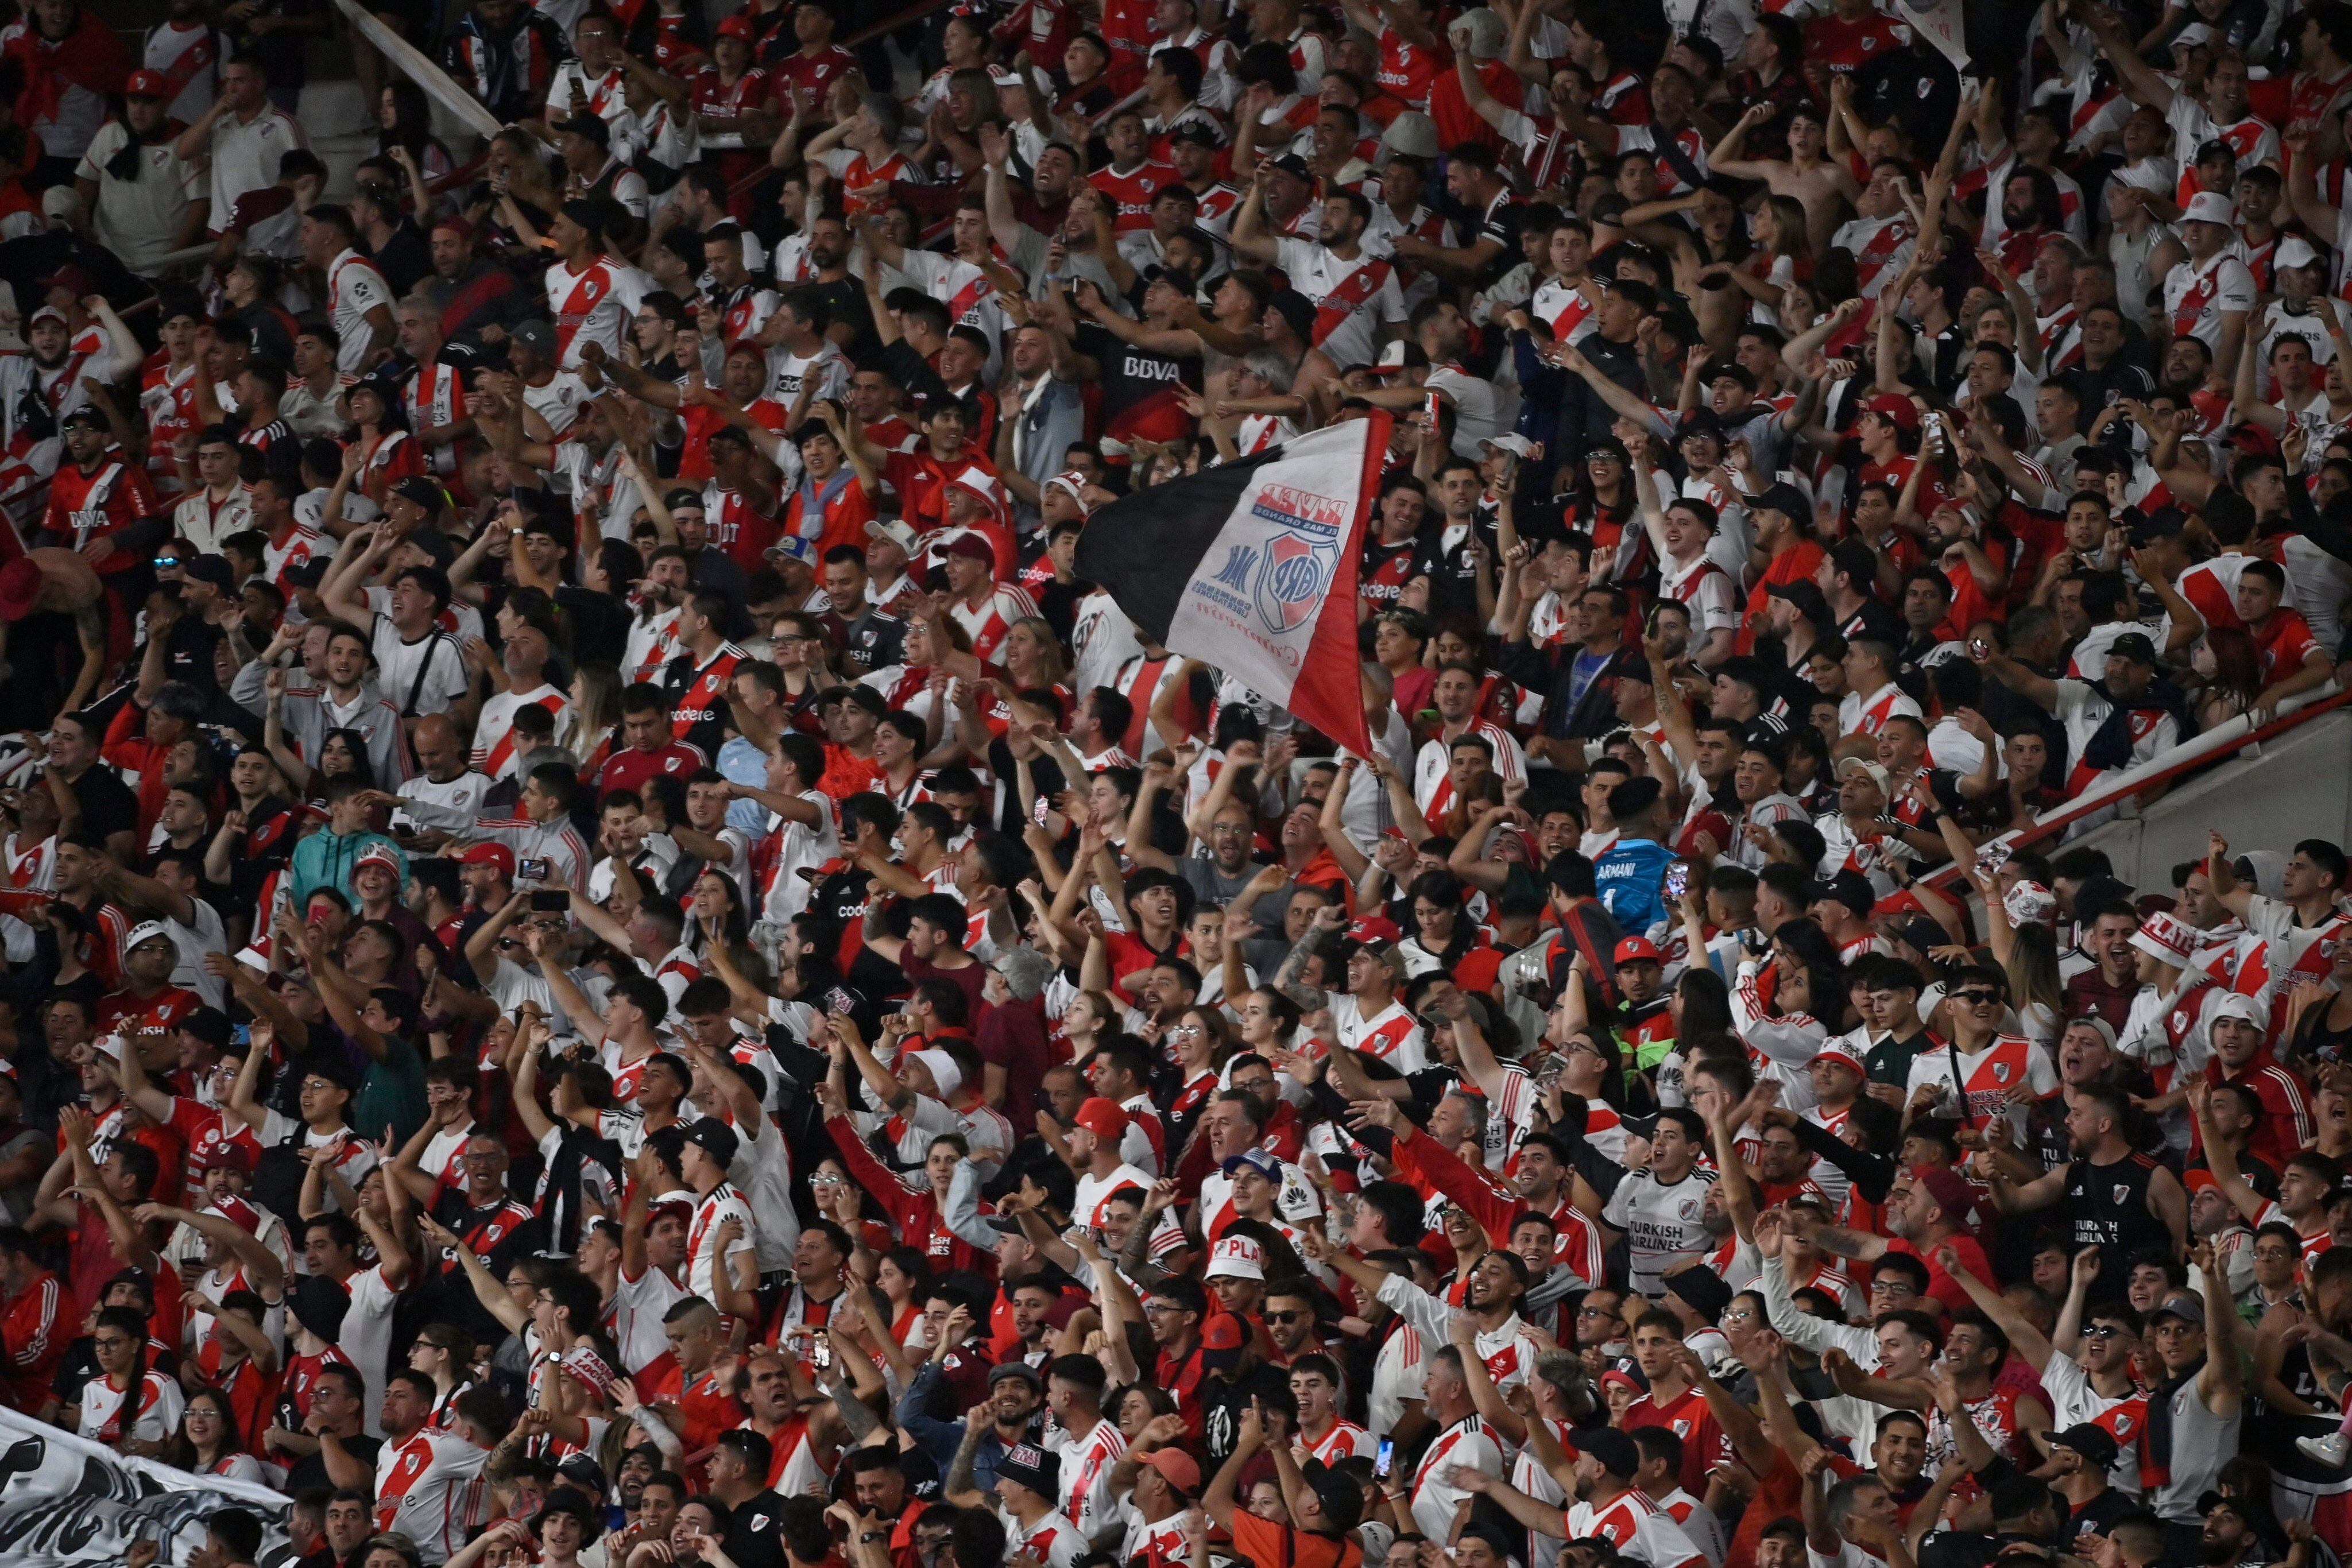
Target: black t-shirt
(1501,224)
(312,1471)
(1873,617)
(1223,1404)
(1389,568)
(403,258)
(2120,376)
(2098,1516)
(845,301)
(749,1531)
(871,642)
(108,804)
(599,621)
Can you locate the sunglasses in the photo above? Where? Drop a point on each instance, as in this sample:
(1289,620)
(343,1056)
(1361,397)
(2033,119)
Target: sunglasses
(2102,1331)
(1977,997)
(1284,1317)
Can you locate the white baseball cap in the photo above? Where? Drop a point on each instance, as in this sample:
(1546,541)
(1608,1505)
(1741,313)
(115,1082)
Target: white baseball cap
(2210,207)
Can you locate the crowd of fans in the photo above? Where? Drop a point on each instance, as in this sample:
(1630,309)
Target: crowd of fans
(611,962)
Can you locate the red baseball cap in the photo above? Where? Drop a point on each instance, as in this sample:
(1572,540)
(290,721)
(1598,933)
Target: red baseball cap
(1223,1332)
(735,26)
(1177,1466)
(1636,950)
(1893,406)
(147,84)
(498,855)
(1103,1118)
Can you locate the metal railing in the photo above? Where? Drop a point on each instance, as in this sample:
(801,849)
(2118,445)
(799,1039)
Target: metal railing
(2198,752)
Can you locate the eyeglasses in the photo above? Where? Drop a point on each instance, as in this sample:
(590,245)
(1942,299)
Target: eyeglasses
(1186,1030)
(1284,1317)
(111,1341)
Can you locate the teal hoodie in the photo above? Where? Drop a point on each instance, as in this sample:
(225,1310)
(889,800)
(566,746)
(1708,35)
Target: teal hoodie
(325,859)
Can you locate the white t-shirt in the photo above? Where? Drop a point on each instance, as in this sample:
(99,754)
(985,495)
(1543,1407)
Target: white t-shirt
(138,219)
(800,845)
(638,1308)
(367,1337)
(764,1169)
(244,157)
(1317,273)
(399,663)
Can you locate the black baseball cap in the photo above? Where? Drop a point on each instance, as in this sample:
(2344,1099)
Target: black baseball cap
(1783,497)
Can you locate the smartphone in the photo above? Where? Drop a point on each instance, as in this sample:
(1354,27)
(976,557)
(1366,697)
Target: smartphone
(555,901)
(1979,647)
(1678,880)
(1385,1460)
(531,870)
(822,1354)
(402,822)
(1991,858)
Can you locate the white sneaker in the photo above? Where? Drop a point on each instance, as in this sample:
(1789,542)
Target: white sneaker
(2332,1450)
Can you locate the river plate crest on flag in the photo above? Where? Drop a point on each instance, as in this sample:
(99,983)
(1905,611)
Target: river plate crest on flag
(1251,566)
(1300,559)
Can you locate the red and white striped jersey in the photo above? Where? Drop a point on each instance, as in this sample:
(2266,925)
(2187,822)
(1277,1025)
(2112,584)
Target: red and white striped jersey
(1639,1529)
(1344,1440)
(155,1419)
(430,1489)
(595,305)
(992,619)
(494,744)
(1086,1475)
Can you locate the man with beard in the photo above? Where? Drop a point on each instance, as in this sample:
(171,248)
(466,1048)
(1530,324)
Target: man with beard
(1013,1414)
(102,506)
(2095,1383)
(1493,1287)
(476,297)
(2110,1196)
(1539,1181)
(1355,293)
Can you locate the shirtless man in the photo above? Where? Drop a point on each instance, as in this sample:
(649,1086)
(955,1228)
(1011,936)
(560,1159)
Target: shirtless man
(1821,182)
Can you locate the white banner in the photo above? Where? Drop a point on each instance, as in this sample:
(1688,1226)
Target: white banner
(65,1499)
(1938,21)
(416,67)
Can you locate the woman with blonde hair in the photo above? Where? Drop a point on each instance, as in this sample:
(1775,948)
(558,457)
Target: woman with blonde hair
(595,712)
